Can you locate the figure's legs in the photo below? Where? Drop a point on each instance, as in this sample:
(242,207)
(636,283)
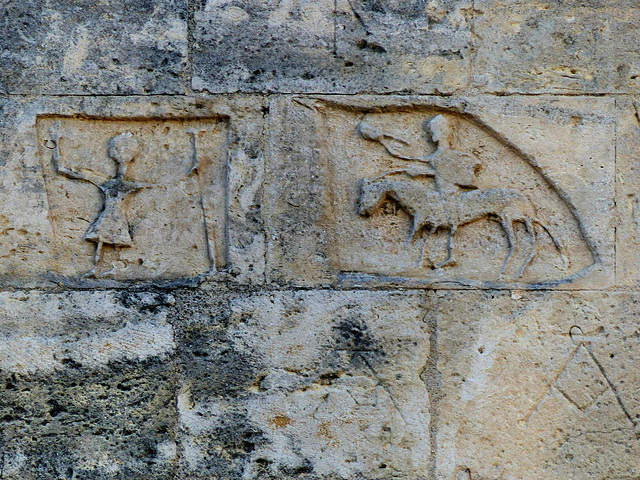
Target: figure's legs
(450,260)
(114,257)
(507,226)
(97,257)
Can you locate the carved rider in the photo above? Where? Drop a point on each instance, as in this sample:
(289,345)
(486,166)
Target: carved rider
(450,168)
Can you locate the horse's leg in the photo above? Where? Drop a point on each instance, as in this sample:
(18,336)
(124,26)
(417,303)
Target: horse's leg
(531,230)
(559,247)
(450,260)
(415,231)
(430,232)
(507,226)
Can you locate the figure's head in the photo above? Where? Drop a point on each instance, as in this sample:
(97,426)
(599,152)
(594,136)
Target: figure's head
(440,129)
(123,148)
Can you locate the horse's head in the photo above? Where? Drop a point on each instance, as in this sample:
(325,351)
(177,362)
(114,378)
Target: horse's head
(371,197)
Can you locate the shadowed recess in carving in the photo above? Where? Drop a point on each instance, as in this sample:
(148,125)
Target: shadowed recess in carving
(430,193)
(136,199)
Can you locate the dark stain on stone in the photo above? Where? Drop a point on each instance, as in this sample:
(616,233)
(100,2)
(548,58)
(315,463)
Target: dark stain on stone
(67,423)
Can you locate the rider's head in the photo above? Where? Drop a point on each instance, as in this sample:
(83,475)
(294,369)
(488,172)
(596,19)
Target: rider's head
(123,148)
(440,130)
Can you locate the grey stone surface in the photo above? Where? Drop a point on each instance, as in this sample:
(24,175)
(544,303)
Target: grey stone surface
(88,385)
(76,47)
(307,385)
(349,205)
(331,46)
(568,46)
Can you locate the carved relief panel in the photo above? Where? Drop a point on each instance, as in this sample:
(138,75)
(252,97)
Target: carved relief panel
(431,194)
(135,199)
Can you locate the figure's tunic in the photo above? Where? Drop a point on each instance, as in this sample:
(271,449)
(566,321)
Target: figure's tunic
(111,227)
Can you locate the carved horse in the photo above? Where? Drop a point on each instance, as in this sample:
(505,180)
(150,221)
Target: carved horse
(432,210)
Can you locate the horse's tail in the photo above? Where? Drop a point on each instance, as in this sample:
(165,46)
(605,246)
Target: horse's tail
(557,243)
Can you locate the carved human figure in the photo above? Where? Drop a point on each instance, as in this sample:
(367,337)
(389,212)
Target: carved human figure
(111,227)
(450,168)
(453,171)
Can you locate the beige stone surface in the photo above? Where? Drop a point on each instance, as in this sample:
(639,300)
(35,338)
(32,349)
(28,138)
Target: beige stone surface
(111,190)
(538,385)
(328,384)
(319,240)
(559,47)
(627,192)
(365,193)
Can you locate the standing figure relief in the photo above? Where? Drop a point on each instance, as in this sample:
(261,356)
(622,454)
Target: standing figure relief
(454,201)
(111,228)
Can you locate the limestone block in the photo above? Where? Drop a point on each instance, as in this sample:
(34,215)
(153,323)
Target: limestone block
(331,46)
(88,385)
(538,385)
(122,189)
(628,192)
(556,47)
(72,47)
(429,191)
(318,384)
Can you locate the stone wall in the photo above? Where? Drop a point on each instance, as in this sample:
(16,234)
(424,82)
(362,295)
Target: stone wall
(320,239)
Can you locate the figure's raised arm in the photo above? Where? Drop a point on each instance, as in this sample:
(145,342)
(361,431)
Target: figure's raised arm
(88,177)
(389,142)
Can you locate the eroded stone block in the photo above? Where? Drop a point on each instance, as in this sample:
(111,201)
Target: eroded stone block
(88,385)
(308,385)
(327,46)
(556,47)
(540,383)
(71,47)
(126,190)
(628,192)
(427,191)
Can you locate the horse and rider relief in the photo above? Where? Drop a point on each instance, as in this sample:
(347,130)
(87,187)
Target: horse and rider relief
(455,201)
(473,206)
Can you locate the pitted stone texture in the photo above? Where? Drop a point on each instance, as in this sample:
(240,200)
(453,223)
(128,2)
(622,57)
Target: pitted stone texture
(328,46)
(628,192)
(318,385)
(538,385)
(370,191)
(133,190)
(88,385)
(567,46)
(71,47)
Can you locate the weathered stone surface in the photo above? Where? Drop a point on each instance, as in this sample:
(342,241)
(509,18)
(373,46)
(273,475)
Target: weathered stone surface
(319,240)
(569,46)
(538,385)
(331,46)
(110,190)
(371,190)
(311,385)
(627,192)
(75,47)
(88,385)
